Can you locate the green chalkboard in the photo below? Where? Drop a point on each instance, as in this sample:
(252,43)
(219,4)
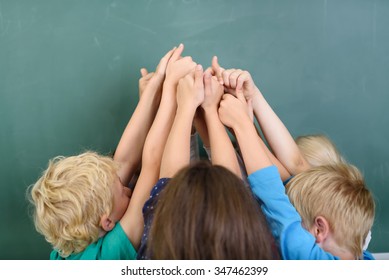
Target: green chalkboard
(69,72)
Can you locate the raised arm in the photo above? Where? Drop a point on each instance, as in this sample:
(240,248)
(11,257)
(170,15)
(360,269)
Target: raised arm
(199,119)
(278,136)
(129,150)
(190,94)
(232,112)
(236,79)
(222,150)
(132,222)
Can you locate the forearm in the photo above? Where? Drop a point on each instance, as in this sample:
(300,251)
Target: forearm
(129,150)
(222,150)
(201,127)
(177,150)
(284,173)
(278,136)
(159,131)
(132,222)
(251,146)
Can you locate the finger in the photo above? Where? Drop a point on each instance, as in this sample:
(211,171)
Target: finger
(215,63)
(143,72)
(207,83)
(164,60)
(198,76)
(243,77)
(148,76)
(217,69)
(226,77)
(216,66)
(210,71)
(240,95)
(177,53)
(226,96)
(187,58)
(233,77)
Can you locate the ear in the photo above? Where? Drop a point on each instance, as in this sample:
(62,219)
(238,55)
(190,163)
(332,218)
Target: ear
(106,223)
(321,229)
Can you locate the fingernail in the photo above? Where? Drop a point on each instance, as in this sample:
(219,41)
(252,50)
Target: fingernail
(199,67)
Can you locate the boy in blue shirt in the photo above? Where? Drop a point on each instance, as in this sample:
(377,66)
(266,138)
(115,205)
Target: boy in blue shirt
(299,238)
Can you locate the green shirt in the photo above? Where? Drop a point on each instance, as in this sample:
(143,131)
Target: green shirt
(114,245)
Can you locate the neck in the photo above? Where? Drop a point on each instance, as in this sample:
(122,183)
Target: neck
(342,253)
(102,232)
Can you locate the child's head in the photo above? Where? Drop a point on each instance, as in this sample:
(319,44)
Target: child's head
(206,212)
(335,198)
(75,199)
(319,150)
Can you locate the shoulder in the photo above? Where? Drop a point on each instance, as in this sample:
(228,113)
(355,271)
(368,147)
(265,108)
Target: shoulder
(368,256)
(115,245)
(266,179)
(154,194)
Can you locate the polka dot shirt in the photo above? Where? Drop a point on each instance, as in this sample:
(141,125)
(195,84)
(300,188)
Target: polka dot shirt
(148,215)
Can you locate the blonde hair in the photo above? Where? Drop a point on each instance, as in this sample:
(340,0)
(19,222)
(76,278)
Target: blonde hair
(338,193)
(319,150)
(70,198)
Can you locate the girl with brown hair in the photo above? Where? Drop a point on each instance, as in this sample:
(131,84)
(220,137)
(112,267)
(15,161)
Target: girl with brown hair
(205,211)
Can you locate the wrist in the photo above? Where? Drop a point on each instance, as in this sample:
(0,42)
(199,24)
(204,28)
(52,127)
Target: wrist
(242,124)
(169,82)
(169,92)
(210,109)
(210,112)
(186,109)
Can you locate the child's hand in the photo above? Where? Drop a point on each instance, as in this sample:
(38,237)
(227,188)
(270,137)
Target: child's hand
(213,91)
(144,80)
(233,110)
(217,70)
(153,81)
(236,79)
(178,66)
(190,90)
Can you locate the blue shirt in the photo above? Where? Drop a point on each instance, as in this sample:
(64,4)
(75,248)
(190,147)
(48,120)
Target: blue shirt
(293,241)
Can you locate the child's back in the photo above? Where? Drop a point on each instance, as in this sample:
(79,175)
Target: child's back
(206,212)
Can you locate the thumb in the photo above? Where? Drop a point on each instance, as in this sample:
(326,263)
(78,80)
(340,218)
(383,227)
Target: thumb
(217,69)
(177,53)
(143,72)
(198,76)
(240,95)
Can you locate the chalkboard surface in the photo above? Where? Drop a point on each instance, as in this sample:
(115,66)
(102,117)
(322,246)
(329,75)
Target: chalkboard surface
(69,75)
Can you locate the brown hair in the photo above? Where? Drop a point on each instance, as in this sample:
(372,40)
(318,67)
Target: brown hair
(206,212)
